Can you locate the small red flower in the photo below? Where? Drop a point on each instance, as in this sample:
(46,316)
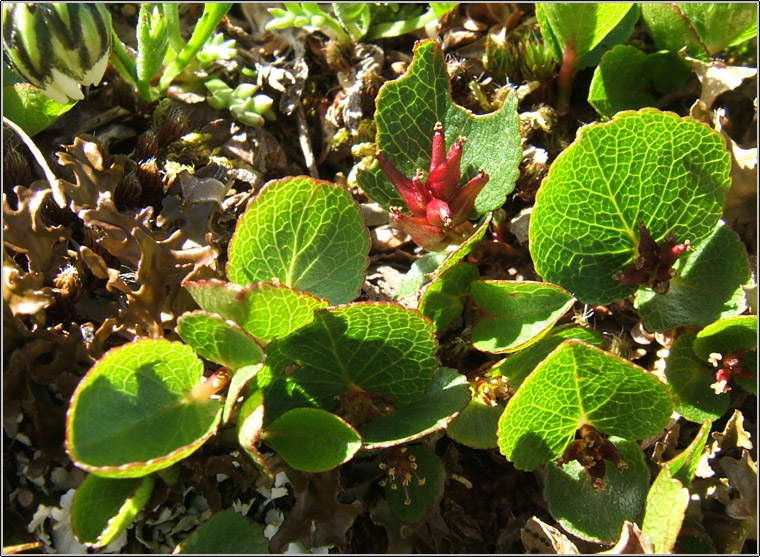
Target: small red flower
(654,265)
(727,366)
(591,450)
(438,205)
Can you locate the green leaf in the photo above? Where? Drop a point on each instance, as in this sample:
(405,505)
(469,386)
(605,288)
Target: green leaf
(239,381)
(415,501)
(432,265)
(408,109)
(312,440)
(354,16)
(379,348)
(152,41)
(584,27)
(518,366)
(447,395)
(705,28)
(579,384)
(304,233)
(265,310)
(626,79)
(465,247)
(29,107)
(684,465)
(443,300)
(726,336)
(420,273)
(598,514)
(670,29)
(249,426)
(708,285)
(104,507)
(515,314)
(132,413)
(476,425)
(671,172)
(226,533)
(219,340)
(689,379)
(665,509)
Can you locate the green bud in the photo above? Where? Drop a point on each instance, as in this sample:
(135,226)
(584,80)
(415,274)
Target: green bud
(245,90)
(57,46)
(262,103)
(249,118)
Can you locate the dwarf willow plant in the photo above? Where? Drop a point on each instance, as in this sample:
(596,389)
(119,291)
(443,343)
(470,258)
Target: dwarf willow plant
(632,207)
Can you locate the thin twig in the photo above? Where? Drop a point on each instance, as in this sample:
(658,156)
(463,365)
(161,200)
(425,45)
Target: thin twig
(56,184)
(303,139)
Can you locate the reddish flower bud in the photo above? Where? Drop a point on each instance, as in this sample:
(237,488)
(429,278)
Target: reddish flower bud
(439,214)
(463,201)
(438,155)
(411,195)
(438,205)
(424,234)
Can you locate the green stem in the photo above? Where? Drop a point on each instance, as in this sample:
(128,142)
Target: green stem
(397,28)
(212,15)
(171,13)
(127,67)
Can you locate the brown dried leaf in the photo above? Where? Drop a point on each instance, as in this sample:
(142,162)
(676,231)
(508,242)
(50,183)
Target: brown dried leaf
(538,537)
(742,477)
(717,78)
(632,541)
(732,436)
(317,503)
(25,231)
(96,172)
(24,292)
(160,267)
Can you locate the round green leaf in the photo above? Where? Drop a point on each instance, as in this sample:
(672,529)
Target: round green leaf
(689,379)
(447,395)
(518,366)
(598,514)
(515,314)
(708,285)
(265,310)
(104,507)
(380,348)
(665,510)
(131,414)
(626,78)
(703,28)
(585,26)
(579,384)
(29,107)
(727,335)
(670,29)
(408,109)
(671,172)
(304,233)
(443,300)
(476,424)
(312,440)
(219,340)
(417,499)
(226,533)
